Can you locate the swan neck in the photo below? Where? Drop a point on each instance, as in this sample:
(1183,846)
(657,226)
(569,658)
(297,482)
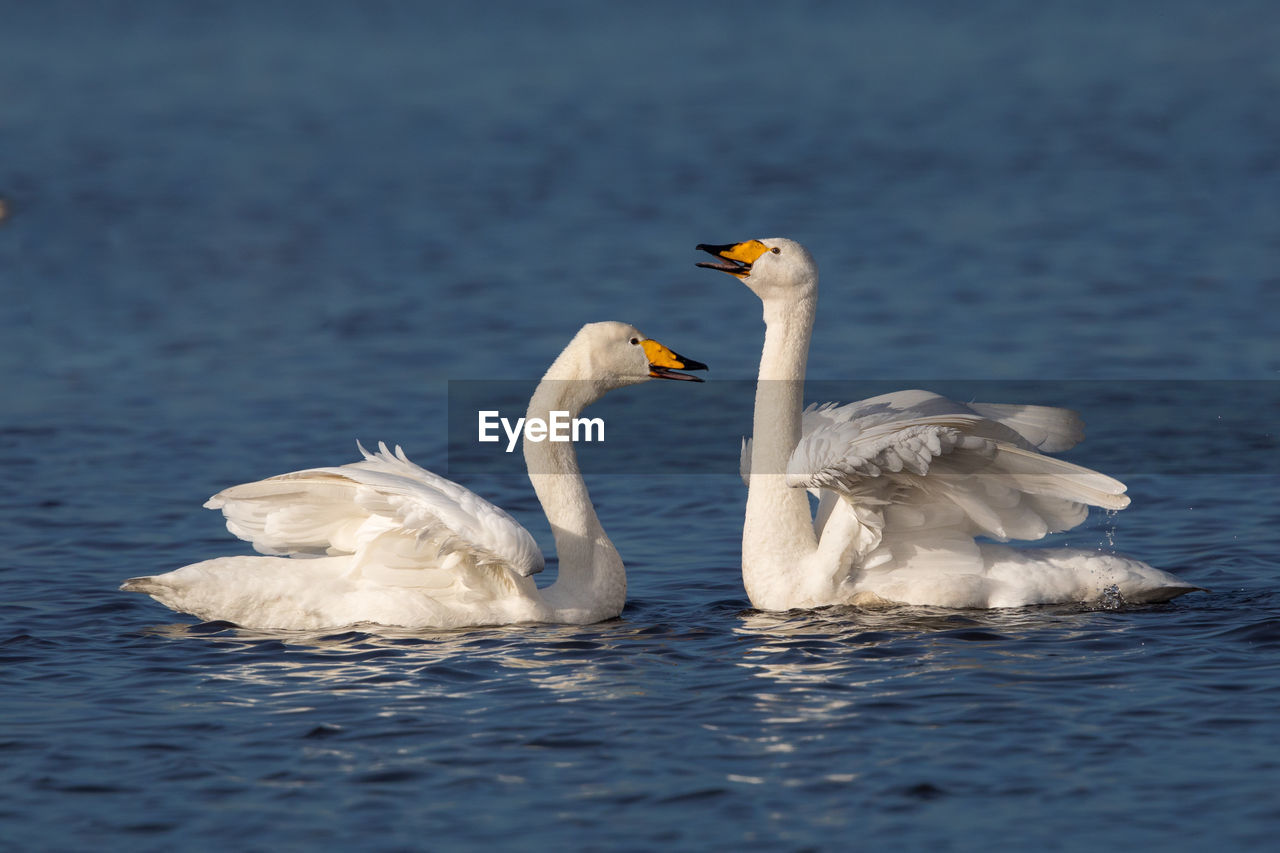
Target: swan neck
(777,533)
(591,582)
(780,387)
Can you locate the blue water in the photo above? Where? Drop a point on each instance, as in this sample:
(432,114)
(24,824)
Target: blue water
(237,237)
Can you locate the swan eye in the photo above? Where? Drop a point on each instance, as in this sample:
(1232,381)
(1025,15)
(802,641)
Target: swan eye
(776,250)
(635,341)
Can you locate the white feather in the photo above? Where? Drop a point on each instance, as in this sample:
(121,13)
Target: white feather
(342,509)
(906,482)
(391,543)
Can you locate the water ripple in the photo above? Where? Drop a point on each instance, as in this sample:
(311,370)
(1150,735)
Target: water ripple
(227,254)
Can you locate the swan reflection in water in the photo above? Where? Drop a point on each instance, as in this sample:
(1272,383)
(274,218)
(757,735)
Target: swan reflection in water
(840,662)
(800,667)
(402,665)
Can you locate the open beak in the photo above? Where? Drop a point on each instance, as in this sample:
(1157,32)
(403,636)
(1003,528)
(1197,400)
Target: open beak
(665,364)
(736,258)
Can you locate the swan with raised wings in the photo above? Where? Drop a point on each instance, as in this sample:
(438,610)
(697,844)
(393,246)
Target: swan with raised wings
(391,543)
(905,483)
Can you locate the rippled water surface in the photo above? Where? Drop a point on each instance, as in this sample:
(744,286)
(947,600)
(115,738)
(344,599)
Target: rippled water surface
(237,237)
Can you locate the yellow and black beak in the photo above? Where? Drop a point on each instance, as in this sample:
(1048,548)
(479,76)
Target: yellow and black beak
(737,257)
(664,364)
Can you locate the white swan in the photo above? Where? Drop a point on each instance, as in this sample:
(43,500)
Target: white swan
(905,483)
(393,544)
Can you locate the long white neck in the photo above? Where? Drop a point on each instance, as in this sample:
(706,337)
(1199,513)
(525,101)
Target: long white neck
(778,530)
(591,584)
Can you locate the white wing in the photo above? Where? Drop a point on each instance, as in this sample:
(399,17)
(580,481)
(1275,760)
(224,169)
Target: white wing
(1043,428)
(915,464)
(385,502)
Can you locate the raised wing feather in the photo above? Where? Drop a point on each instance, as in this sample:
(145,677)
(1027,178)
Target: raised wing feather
(916,461)
(384,497)
(1045,428)
(840,451)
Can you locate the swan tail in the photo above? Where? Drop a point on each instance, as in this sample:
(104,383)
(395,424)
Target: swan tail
(152,586)
(1161,594)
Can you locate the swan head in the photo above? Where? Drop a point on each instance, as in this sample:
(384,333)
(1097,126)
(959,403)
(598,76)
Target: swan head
(773,267)
(615,355)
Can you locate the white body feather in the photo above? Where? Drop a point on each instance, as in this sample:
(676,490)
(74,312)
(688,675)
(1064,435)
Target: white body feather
(385,541)
(906,482)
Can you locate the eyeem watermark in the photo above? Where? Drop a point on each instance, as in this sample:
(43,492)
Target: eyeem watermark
(559,427)
(682,428)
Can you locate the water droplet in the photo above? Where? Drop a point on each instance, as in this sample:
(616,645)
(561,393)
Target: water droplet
(1111,598)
